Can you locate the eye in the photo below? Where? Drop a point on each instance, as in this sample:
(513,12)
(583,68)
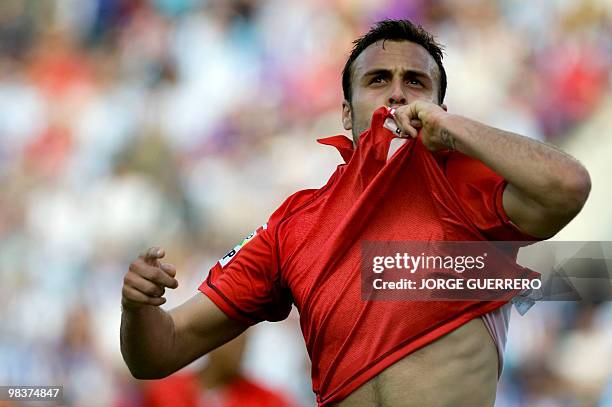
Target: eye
(415,82)
(377,79)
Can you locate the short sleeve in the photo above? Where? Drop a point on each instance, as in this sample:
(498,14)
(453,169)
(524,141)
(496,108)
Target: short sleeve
(480,191)
(246,283)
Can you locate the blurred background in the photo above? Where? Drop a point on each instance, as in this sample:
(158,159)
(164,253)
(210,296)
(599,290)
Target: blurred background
(184,123)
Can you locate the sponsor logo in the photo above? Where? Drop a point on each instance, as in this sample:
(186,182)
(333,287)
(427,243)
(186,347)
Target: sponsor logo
(232,253)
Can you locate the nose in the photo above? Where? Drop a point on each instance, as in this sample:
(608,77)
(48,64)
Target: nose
(397,97)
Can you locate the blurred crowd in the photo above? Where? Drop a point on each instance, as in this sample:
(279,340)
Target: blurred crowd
(184,123)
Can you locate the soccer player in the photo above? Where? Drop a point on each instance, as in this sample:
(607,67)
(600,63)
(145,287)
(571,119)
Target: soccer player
(219,382)
(453,179)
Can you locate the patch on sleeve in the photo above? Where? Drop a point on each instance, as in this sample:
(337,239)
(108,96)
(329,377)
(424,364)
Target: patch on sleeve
(232,253)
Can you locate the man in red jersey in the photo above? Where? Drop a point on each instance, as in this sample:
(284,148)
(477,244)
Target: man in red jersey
(218,383)
(412,172)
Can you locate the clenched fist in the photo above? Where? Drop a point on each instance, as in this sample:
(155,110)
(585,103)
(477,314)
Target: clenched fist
(430,119)
(146,280)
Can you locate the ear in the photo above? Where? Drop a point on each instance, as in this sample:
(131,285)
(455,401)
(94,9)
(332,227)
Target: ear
(443,106)
(347,117)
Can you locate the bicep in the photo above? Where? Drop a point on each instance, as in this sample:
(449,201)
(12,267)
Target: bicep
(200,326)
(531,217)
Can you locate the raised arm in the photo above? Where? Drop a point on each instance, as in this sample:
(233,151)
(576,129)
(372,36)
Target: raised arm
(546,187)
(156,343)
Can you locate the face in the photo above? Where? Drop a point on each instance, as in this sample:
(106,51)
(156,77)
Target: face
(395,75)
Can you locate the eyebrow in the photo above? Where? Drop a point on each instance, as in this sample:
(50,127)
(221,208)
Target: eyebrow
(406,73)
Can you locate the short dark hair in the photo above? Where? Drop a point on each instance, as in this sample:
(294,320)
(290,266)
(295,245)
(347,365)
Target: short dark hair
(395,30)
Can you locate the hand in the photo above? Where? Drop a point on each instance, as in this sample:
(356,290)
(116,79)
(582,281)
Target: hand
(146,280)
(427,117)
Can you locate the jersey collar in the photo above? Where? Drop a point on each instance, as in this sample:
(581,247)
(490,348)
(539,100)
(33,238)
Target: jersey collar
(343,144)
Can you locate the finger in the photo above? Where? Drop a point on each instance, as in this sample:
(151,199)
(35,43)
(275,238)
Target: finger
(416,123)
(152,273)
(413,132)
(152,254)
(414,108)
(405,123)
(146,287)
(168,269)
(159,276)
(409,131)
(131,295)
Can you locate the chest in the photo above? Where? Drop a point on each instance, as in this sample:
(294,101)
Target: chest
(321,249)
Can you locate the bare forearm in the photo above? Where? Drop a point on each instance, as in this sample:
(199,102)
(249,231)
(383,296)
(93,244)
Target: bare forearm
(540,171)
(546,187)
(156,343)
(147,334)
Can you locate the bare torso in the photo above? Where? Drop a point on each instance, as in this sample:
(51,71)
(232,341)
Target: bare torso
(459,369)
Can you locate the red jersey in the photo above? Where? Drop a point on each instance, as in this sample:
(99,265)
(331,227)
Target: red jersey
(308,254)
(186,390)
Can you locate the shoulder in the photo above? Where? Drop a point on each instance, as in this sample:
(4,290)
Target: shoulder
(293,204)
(301,198)
(294,201)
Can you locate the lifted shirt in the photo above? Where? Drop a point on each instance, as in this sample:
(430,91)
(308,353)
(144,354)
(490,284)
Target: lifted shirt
(308,254)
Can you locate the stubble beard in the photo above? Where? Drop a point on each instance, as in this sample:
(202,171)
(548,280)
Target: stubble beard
(358,129)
